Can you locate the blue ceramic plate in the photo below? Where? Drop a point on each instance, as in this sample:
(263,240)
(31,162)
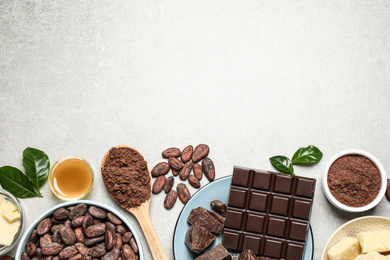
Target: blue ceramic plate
(216,190)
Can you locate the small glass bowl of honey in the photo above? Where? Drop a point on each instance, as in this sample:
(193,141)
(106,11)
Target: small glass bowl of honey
(71,178)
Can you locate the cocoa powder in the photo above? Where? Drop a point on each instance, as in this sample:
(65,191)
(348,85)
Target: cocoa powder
(354,180)
(125,174)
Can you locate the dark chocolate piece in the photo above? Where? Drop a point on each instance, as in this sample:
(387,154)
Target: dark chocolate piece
(217,253)
(219,207)
(207,219)
(198,239)
(268,213)
(247,255)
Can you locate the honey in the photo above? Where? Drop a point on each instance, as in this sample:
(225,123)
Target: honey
(71,178)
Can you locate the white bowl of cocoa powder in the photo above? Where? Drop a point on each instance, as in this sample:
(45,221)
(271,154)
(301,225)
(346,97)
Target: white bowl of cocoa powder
(354,180)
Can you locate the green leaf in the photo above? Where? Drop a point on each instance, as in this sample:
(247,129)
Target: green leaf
(282,163)
(14,181)
(310,154)
(37,166)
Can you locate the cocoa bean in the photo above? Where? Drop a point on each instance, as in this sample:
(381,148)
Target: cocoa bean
(77,257)
(6,257)
(49,257)
(114,219)
(175,163)
(96,221)
(170,199)
(113,255)
(120,229)
(70,208)
(183,193)
(200,152)
(388,190)
(56,258)
(45,240)
(171,152)
(208,168)
(88,221)
(34,236)
(219,207)
(51,249)
(61,214)
(110,226)
(93,241)
(81,248)
(77,222)
(87,257)
(134,245)
(197,169)
(79,235)
(24,256)
(35,258)
(38,253)
(126,237)
(161,168)
(78,211)
(158,184)
(117,240)
(67,236)
(174,172)
(95,230)
(187,153)
(108,240)
(56,237)
(31,248)
(185,172)
(97,251)
(56,222)
(67,252)
(68,223)
(169,184)
(44,226)
(193,181)
(127,253)
(56,227)
(97,212)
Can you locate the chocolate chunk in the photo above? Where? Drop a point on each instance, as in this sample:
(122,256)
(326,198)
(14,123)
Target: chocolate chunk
(198,238)
(247,255)
(219,207)
(217,253)
(206,219)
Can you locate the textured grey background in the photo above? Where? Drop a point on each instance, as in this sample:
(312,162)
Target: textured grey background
(252,79)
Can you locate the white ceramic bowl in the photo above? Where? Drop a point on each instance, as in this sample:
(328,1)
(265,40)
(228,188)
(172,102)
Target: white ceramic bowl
(344,207)
(351,228)
(26,237)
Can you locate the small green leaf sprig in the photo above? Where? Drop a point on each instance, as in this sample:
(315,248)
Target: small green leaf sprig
(305,155)
(36,164)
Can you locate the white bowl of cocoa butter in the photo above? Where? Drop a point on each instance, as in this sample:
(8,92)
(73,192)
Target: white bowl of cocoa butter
(354,180)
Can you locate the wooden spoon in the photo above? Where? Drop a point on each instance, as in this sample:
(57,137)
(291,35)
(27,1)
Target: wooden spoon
(141,213)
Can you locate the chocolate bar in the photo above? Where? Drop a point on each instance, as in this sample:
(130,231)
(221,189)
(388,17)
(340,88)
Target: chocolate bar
(217,253)
(206,219)
(268,213)
(198,238)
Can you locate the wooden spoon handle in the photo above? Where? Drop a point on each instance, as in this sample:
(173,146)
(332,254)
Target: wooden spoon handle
(154,243)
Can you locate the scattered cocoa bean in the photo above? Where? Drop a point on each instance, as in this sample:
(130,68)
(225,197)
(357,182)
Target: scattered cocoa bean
(219,207)
(67,236)
(126,237)
(174,172)
(77,222)
(80,238)
(161,168)
(183,193)
(44,226)
(93,241)
(67,252)
(208,168)
(88,221)
(187,153)
(45,240)
(31,248)
(133,245)
(24,256)
(200,152)
(79,210)
(120,229)
(388,190)
(81,248)
(171,152)
(51,249)
(61,214)
(185,172)
(109,240)
(175,163)
(197,169)
(170,199)
(169,184)
(117,240)
(97,212)
(127,253)
(95,230)
(114,219)
(193,181)
(112,255)
(158,184)
(97,251)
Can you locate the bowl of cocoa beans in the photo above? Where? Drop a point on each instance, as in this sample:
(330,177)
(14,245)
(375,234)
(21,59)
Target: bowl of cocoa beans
(80,230)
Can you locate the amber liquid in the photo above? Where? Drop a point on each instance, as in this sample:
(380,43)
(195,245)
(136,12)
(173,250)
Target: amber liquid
(72,178)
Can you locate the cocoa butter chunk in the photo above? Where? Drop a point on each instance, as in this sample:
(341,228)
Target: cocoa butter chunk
(207,219)
(217,253)
(247,255)
(198,238)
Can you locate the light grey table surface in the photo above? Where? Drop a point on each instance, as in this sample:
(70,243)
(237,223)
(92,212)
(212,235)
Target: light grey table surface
(251,79)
